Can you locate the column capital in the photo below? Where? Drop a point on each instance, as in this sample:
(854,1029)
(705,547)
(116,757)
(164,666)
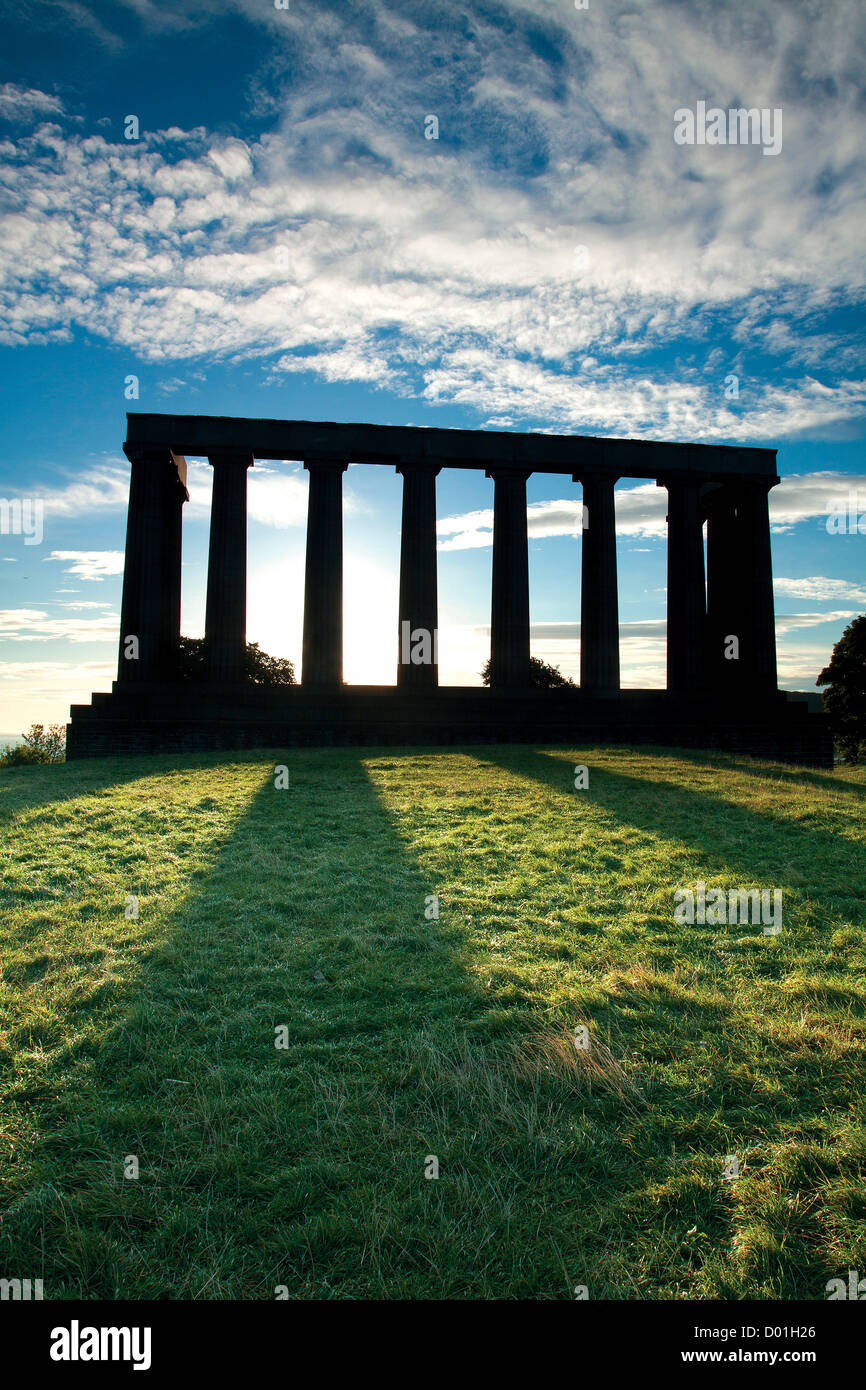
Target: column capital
(148,454)
(508,470)
(230,456)
(680,478)
(141,453)
(591,474)
(758,482)
(419,464)
(319,462)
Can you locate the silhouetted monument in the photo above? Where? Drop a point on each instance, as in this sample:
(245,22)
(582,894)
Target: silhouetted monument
(721,649)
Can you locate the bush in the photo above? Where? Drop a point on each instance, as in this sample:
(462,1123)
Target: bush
(259,667)
(845,698)
(40,745)
(540,674)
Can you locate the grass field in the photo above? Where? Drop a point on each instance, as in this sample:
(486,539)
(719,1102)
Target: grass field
(408,1038)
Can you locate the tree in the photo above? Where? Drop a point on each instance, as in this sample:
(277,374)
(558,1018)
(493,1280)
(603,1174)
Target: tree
(40,745)
(262,669)
(540,674)
(259,667)
(845,696)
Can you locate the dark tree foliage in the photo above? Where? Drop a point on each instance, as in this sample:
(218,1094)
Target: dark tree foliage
(540,674)
(845,696)
(259,667)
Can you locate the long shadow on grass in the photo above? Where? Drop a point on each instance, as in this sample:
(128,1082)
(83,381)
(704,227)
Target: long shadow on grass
(310,1166)
(259,1098)
(725,1063)
(234,1060)
(728,835)
(792,776)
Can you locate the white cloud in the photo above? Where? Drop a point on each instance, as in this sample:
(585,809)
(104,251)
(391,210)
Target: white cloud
(803,496)
(641,512)
(104,487)
(232,160)
(73,604)
(276,493)
(818,588)
(342,242)
(277,498)
(788,622)
(35,625)
(90,564)
(22,104)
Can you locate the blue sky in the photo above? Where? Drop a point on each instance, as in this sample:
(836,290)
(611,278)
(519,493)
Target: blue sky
(283,239)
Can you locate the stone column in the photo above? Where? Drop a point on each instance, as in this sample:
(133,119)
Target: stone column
(509,617)
(599,602)
(418,613)
(758,647)
(226,613)
(323,588)
(687,606)
(724,590)
(150,605)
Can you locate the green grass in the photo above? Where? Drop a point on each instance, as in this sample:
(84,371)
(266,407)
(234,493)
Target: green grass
(410,1037)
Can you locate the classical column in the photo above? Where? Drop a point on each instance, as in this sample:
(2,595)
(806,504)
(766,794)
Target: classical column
(599,603)
(417,634)
(150,605)
(687,606)
(226,613)
(173,515)
(509,617)
(725,597)
(758,647)
(323,589)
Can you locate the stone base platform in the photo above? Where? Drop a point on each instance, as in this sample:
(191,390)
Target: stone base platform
(189,718)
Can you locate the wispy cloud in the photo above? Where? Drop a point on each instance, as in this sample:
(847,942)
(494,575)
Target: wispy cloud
(90,564)
(804,496)
(35,625)
(25,103)
(788,622)
(641,511)
(819,588)
(103,487)
(341,242)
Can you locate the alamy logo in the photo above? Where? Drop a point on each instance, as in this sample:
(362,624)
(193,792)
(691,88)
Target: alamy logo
(847,517)
(77,1343)
(739,126)
(855,1288)
(418,646)
(716,907)
(22,516)
(20,1289)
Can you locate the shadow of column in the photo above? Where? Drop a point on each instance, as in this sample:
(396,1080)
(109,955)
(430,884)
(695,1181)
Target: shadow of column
(407,1038)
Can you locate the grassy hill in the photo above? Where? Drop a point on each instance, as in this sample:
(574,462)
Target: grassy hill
(408,1038)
